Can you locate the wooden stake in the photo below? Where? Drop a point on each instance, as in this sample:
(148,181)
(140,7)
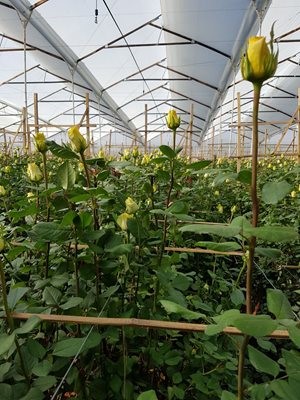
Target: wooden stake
(238,153)
(87,120)
(298,125)
(138,323)
(36,113)
(191,131)
(213,143)
(146,128)
(24,117)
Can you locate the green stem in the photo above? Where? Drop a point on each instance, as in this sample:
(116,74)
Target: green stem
(10,320)
(96,224)
(48,212)
(241,367)
(252,240)
(254,198)
(165,226)
(174,139)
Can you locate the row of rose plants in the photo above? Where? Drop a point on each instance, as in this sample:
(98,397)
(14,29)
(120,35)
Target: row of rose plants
(89,237)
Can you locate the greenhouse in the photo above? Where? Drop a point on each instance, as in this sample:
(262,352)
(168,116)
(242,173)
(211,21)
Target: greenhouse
(149,199)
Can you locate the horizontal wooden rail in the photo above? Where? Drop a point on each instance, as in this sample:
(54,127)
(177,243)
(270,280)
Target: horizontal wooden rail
(205,251)
(137,323)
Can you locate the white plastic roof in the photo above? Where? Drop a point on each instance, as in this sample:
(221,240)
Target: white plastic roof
(140,53)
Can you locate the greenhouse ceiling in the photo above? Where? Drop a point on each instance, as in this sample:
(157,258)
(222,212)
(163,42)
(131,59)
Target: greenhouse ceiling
(137,59)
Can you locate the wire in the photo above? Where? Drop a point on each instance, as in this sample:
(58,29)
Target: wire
(77,354)
(134,59)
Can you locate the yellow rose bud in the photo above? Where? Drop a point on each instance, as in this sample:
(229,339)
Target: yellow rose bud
(34,173)
(220,208)
(30,196)
(2,191)
(40,142)
(217,193)
(122,220)
(101,153)
(233,209)
(146,159)
(131,206)
(293,193)
(7,169)
(2,244)
(173,121)
(135,152)
(78,142)
(259,63)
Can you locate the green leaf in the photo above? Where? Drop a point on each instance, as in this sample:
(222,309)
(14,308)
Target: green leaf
(44,382)
(6,341)
(198,165)
(294,333)
(284,390)
(172,358)
(49,232)
(273,192)
(51,296)
(42,369)
(268,252)
(178,207)
(218,229)
(228,395)
(74,346)
(292,364)
(237,297)
(167,151)
(15,294)
(221,178)
(72,302)
(120,249)
(222,321)
(278,304)
(29,325)
(33,394)
(6,391)
(18,214)
(220,246)
(255,325)
(174,308)
(244,176)
(263,363)
(149,395)
(274,233)
(66,176)
(61,151)
(4,368)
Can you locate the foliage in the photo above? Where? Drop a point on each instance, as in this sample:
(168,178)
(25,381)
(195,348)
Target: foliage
(65,254)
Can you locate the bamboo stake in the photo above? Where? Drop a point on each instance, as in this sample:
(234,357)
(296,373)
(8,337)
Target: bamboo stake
(36,113)
(238,153)
(298,125)
(204,251)
(190,131)
(135,322)
(87,120)
(213,144)
(146,128)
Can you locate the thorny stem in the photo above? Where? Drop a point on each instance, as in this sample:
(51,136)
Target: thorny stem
(252,241)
